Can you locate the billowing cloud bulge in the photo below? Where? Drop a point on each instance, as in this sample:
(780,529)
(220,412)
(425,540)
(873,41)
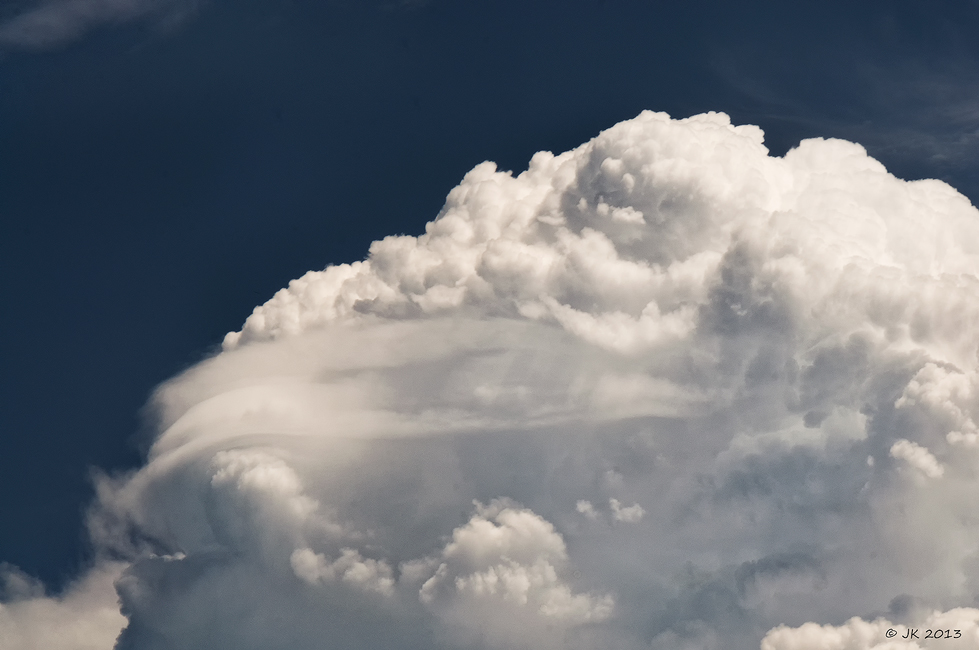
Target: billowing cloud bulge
(661,391)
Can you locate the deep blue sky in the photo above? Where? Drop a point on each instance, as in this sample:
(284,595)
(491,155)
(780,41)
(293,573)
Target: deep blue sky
(155,185)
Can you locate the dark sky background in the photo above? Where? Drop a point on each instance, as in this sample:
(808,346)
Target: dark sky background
(160,178)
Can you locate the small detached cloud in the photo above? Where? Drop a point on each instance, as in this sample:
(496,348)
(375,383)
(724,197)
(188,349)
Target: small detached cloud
(52,23)
(586,508)
(626,514)
(618,513)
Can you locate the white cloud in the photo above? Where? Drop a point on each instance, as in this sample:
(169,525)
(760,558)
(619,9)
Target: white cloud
(499,578)
(742,355)
(956,629)
(350,567)
(85,617)
(626,514)
(50,23)
(586,508)
(918,457)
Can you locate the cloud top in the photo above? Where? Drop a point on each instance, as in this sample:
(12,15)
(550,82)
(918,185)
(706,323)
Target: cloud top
(623,240)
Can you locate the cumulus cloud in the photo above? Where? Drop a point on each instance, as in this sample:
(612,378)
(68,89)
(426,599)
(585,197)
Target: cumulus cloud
(660,391)
(367,574)
(628,514)
(501,567)
(918,457)
(85,617)
(586,508)
(50,23)
(957,629)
